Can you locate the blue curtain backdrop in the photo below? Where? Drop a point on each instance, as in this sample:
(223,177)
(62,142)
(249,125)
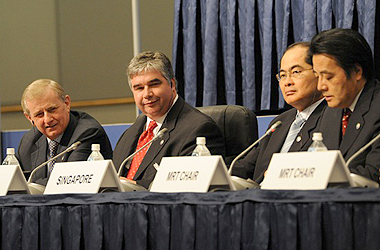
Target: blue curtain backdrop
(228,51)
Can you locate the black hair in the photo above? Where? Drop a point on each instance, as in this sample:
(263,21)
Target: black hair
(348,47)
(308,58)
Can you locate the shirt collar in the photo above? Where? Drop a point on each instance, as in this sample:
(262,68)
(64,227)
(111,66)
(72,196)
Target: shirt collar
(306,113)
(58,139)
(353,104)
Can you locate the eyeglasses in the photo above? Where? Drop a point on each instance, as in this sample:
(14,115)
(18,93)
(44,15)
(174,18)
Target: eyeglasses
(293,74)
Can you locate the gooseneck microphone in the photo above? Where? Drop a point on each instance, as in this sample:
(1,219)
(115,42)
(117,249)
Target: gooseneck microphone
(362,150)
(269,131)
(70,148)
(160,134)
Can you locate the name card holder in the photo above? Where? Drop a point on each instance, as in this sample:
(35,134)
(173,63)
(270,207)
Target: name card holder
(307,170)
(192,174)
(83,177)
(12,180)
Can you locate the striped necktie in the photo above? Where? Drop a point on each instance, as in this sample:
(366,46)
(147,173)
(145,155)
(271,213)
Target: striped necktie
(294,129)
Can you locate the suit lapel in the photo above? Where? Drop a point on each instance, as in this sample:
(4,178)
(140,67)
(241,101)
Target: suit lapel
(39,156)
(356,122)
(308,128)
(280,134)
(66,138)
(155,148)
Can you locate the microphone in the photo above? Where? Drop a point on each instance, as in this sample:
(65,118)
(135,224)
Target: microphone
(362,150)
(70,148)
(160,134)
(269,131)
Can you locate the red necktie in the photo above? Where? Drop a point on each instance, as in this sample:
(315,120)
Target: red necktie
(345,118)
(146,136)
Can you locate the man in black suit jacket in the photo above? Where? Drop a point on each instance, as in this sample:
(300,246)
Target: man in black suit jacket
(299,87)
(152,81)
(47,107)
(342,59)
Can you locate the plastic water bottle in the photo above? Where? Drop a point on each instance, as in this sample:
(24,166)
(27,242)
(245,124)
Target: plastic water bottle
(317,145)
(201,149)
(95,155)
(11,158)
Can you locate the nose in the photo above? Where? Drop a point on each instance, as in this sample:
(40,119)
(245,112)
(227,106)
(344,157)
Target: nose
(147,92)
(321,86)
(48,117)
(288,81)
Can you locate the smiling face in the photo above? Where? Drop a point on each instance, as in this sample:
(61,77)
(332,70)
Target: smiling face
(300,89)
(338,89)
(49,113)
(153,94)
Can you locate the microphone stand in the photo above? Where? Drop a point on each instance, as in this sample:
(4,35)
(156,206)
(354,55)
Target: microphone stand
(239,182)
(37,188)
(361,181)
(159,135)
(269,131)
(127,185)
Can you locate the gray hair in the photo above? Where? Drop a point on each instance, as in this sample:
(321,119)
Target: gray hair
(147,61)
(37,89)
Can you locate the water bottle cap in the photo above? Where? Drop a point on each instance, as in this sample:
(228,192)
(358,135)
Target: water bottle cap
(95,147)
(10,151)
(201,140)
(317,136)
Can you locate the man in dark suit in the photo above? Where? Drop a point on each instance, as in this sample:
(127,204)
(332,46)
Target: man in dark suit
(47,107)
(343,62)
(152,81)
(298,85)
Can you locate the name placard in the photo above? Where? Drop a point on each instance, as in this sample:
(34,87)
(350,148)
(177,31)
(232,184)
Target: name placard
(82,177)
(306,170)
(12,180)
(192,174)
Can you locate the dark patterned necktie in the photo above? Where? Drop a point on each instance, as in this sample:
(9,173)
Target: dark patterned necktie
(53,146)
(345,118)
(145,137)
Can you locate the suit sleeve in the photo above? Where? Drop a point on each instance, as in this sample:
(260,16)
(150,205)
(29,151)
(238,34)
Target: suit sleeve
(88,137)
(244,168)
(214,139)
(368,164)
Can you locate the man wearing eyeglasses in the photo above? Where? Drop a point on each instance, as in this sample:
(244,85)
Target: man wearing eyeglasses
(298,85)
(343,62)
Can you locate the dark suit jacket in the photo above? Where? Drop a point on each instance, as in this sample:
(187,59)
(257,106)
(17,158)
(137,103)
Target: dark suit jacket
(363,126)
(257,160)
(33,147)
(184,124)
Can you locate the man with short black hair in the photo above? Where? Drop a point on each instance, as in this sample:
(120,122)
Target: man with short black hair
(343,62)
(298,85)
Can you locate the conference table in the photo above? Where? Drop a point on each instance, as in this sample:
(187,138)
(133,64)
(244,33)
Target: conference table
(249,219)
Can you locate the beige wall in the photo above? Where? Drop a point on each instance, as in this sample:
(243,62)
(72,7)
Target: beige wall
(83,44)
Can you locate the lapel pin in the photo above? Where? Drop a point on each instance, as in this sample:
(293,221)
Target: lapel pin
(298,138)
(161,142)
(156,166)
(357,126)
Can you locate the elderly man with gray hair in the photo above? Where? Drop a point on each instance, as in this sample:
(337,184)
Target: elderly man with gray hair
(55,128)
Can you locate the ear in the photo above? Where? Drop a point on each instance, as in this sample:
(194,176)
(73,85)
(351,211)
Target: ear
(68,102)
(173,84)
(29,118)
(358,72)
